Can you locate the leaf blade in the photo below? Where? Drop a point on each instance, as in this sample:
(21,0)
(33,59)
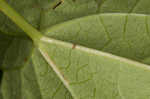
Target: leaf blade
(103,70)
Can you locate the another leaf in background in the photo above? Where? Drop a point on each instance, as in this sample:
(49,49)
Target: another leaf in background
(21,84)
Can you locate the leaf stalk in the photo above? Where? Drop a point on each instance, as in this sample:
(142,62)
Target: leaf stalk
(34,34)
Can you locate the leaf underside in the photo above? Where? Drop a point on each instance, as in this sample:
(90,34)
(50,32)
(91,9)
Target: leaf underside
(64,70)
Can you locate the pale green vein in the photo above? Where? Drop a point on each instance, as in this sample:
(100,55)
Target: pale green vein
(105,28)
(118,86)
(53,65)
(136,3)
(57,89)
(100,5)
(96,52)
(124,31)
(78,32)
(106,31)
(94,93)
(80,82)
(69,61)
(78,70)
(146,23)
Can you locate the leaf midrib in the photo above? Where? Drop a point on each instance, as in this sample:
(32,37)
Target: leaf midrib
(96,52)
(88,50)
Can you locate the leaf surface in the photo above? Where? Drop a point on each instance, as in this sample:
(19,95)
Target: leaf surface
(23,83)
(125,35)
(99,41)
(14,51)
(42,15)
(20,83)
(93,74)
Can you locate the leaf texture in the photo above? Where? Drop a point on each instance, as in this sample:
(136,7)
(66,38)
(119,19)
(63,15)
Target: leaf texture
(90,74)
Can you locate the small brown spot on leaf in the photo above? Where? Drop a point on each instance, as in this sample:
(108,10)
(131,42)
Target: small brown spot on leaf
(25,60)
(73,46)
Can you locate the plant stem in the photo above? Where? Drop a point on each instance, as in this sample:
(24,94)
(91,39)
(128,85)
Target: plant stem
(34,34)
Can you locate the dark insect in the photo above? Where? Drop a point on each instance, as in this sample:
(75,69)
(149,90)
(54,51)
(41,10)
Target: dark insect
(59,3)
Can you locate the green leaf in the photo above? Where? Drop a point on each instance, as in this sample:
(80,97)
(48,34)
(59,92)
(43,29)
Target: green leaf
(110,39)
(92,74)
(50,85)
(120,34)
(19,84)
(40,14)
(124,6)
(23,83)
(14,51)
(70,10)
(36,13)
(4,43)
